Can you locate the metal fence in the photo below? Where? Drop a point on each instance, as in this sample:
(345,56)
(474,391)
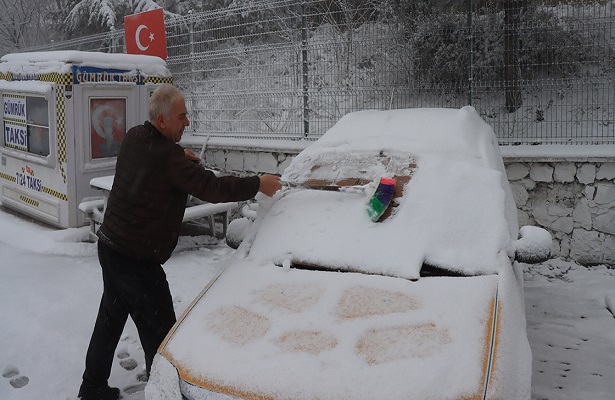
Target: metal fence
(539,72)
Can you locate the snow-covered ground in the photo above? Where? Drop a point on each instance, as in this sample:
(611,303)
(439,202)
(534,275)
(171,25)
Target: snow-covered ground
(50,286)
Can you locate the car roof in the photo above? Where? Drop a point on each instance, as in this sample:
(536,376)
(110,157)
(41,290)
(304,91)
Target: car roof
(453,207)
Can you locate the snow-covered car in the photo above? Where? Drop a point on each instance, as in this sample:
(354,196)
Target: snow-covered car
(319,302)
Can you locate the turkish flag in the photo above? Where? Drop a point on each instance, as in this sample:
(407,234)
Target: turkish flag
(144,33)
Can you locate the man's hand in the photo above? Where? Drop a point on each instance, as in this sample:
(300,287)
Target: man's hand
(269,184)
(191,156)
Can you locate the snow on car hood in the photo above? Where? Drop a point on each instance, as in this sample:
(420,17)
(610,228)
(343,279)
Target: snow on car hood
(263,331)
(455,210)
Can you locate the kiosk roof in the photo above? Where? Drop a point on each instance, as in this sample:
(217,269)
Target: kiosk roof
(58,61)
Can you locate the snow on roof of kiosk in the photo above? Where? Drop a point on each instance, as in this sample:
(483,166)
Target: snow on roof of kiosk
(61,62)
(26,86)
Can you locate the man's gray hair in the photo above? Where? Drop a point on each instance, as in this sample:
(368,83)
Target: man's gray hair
(162,99)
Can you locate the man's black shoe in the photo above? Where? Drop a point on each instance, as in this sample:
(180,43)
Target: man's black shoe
(89,391)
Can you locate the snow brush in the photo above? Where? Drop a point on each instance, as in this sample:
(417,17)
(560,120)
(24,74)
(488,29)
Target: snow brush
(378,202)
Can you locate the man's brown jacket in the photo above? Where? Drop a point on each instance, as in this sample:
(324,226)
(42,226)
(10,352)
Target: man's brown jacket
(153,178)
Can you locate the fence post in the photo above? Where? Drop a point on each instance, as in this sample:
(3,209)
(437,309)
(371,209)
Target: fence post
(470,38)
(304,57)
(512,15)
(195,119)
(111,34)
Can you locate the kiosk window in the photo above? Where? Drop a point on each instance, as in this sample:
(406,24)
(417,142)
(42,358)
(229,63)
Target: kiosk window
(26,123)
(107,126)
(38,125)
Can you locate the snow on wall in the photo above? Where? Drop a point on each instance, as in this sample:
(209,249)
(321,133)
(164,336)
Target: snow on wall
(575,201)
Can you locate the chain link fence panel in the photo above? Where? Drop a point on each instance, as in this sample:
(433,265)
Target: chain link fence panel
(539,72)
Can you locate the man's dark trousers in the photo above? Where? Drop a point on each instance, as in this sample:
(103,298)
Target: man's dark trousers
(138,288)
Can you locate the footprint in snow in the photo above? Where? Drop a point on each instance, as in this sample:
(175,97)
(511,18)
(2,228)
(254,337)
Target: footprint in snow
(139,387)
(125,362)
(127,338)
(129,364)
(11,372)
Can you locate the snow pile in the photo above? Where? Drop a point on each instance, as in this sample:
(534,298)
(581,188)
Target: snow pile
(26,86)
(529,246)
(46,240)
(165,381)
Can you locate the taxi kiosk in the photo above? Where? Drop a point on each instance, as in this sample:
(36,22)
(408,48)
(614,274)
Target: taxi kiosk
(65,115)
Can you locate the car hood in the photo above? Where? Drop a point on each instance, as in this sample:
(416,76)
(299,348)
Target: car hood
(264,331)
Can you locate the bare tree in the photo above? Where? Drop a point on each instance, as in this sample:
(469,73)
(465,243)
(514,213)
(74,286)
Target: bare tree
(20,23)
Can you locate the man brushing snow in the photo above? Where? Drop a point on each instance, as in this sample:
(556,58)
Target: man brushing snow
(153,178)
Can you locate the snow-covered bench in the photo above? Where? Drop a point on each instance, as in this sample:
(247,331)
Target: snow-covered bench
(94,210)
(209,211)
(195,210)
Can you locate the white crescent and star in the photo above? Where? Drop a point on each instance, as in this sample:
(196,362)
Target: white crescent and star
(151,37)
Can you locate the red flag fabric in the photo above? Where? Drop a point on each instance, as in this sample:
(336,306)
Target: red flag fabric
(144,33)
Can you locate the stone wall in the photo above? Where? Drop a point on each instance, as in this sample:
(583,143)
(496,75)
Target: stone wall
(572,197)
(575,201)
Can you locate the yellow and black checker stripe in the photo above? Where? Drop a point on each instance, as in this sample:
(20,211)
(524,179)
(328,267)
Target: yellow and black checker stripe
(157,79)
(14,95)
(61,127)
(60,79)
(53,193)
(9,178)
(28,200)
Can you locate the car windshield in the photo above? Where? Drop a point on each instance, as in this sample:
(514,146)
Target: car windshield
(452,207)
(423,225)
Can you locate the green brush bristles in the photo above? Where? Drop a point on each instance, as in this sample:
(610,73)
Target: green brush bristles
(375,209)
(381,199)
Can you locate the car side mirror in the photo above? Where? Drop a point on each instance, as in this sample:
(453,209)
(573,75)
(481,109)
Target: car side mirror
(533,246)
